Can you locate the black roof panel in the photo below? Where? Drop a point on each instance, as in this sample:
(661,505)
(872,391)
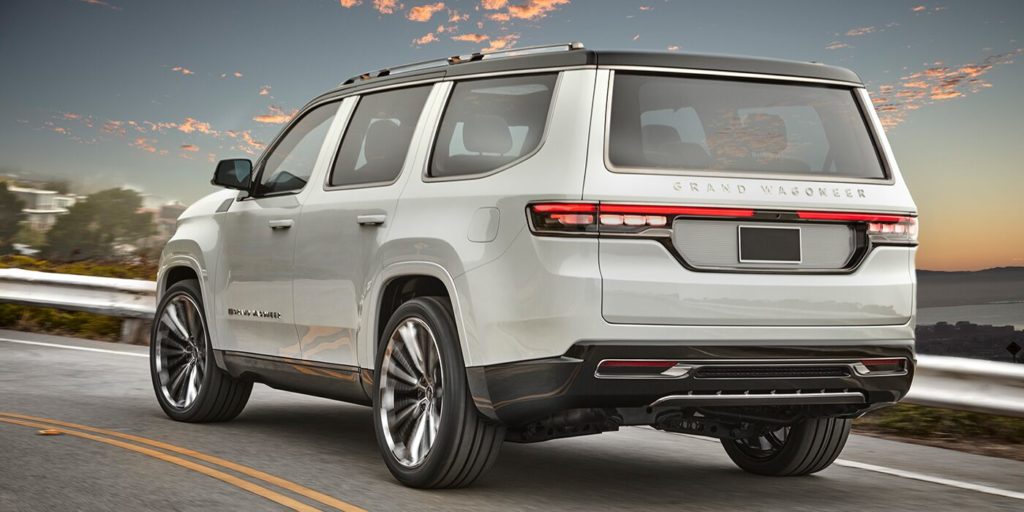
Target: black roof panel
(588,57)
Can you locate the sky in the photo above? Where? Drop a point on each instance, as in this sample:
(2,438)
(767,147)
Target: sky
(148,94)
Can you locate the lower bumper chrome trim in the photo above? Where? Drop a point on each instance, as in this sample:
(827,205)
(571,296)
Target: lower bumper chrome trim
(827,398)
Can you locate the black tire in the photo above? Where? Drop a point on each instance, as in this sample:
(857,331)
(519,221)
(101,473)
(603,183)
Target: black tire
(466,443)
(220,397)
(810,446)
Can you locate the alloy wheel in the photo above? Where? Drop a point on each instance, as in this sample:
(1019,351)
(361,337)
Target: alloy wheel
(180,350)
(411,392)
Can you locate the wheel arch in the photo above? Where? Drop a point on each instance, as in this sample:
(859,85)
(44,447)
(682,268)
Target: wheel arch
(403,281)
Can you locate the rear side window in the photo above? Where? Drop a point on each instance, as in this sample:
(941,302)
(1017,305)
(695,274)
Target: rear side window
(491,123)
(681,123)
(378,136)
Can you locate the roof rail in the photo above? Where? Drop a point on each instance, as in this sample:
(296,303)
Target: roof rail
(459,59)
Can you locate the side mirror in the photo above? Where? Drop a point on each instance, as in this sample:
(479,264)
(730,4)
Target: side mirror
(235,173)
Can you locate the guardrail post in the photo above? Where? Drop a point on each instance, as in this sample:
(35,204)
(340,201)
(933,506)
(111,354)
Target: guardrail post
(135,331)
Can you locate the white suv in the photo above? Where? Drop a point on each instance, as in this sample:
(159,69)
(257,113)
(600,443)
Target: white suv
(554,242)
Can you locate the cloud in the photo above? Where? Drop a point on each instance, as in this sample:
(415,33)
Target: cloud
(646,8)
(191,148)
(918,8)
(493,5)
(454,16)
(101,3)
(265,90)
(192,125)
(146,145)
(276,116)
(426,39)
(502,42)
(423,13)
(499,16)
(860,31)
(249,144)
(935,83)
(348,4)
(386,6)
(183,71)
(835,45)
(636,37)
(673,48)
(472,38)
(534,9)
(236,74)
(113,127)
(71,116)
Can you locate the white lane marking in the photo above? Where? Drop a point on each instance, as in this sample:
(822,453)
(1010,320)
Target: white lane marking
(932,479)
(72,347)
(995,491)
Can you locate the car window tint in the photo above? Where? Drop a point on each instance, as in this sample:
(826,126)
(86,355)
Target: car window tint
(288,166)
(491,123)
(678,123)
(378,136)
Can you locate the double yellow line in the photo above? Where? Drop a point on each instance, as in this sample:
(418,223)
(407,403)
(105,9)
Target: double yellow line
(120,439)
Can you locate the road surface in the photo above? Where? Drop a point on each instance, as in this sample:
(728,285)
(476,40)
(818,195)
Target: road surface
(115,449)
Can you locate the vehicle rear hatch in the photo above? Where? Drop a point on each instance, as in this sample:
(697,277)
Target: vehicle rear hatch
(747,202)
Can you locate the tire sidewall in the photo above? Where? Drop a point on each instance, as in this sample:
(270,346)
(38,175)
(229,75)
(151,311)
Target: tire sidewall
(437,315)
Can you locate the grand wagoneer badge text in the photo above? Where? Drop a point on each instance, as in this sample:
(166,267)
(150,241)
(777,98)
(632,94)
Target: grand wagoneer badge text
(255,313)
(770,190)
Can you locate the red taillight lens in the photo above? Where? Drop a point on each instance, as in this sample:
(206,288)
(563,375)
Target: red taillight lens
(882,228)
(564,218)
(591,218)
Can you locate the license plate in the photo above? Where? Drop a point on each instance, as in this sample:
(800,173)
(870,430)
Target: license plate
(761,244)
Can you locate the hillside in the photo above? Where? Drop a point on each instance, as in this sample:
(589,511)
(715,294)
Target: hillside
(1003,284)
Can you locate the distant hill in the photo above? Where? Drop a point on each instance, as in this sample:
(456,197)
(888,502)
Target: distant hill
(1002,284)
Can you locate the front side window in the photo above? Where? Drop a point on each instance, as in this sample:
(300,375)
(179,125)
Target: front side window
(378,137)
(491,123)
(289,165)
(683,124)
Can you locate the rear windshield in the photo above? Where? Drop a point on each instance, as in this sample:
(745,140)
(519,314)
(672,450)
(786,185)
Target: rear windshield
(684,124)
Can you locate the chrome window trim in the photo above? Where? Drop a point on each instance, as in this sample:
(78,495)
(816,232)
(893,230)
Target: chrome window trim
(555,91)
(410,151)
(883,157)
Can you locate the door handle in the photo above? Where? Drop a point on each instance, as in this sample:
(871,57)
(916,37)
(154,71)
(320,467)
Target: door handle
(280,224)
(371,219)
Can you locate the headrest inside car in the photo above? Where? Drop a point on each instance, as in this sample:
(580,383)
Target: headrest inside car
(486,134)
(379,139)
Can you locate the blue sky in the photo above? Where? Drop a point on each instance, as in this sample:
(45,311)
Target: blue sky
(147,94)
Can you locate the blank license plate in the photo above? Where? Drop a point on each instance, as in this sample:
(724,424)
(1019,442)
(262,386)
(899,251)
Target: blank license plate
(769,244)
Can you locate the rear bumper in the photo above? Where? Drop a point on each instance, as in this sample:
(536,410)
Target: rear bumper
(522,392)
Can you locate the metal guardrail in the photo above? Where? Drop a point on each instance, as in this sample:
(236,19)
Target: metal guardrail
(946,382)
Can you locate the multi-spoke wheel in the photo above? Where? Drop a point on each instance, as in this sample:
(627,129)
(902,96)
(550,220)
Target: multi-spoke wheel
(805,447)
(411,392)
(428,429)
(180,350)
(188,384)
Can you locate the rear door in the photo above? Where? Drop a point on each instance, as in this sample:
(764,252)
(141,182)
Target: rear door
(746,202)
(345,220)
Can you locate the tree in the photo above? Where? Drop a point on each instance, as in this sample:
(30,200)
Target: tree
(62,186)
(10,217)
(93,226)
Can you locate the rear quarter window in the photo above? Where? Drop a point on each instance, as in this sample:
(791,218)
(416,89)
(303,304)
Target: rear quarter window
(491,123)
(676,123)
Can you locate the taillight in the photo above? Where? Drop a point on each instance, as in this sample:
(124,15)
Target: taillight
(881,228)
(591,218)
(632,219)
(564,218)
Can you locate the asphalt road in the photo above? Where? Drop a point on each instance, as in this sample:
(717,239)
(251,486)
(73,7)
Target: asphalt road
(291,451)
